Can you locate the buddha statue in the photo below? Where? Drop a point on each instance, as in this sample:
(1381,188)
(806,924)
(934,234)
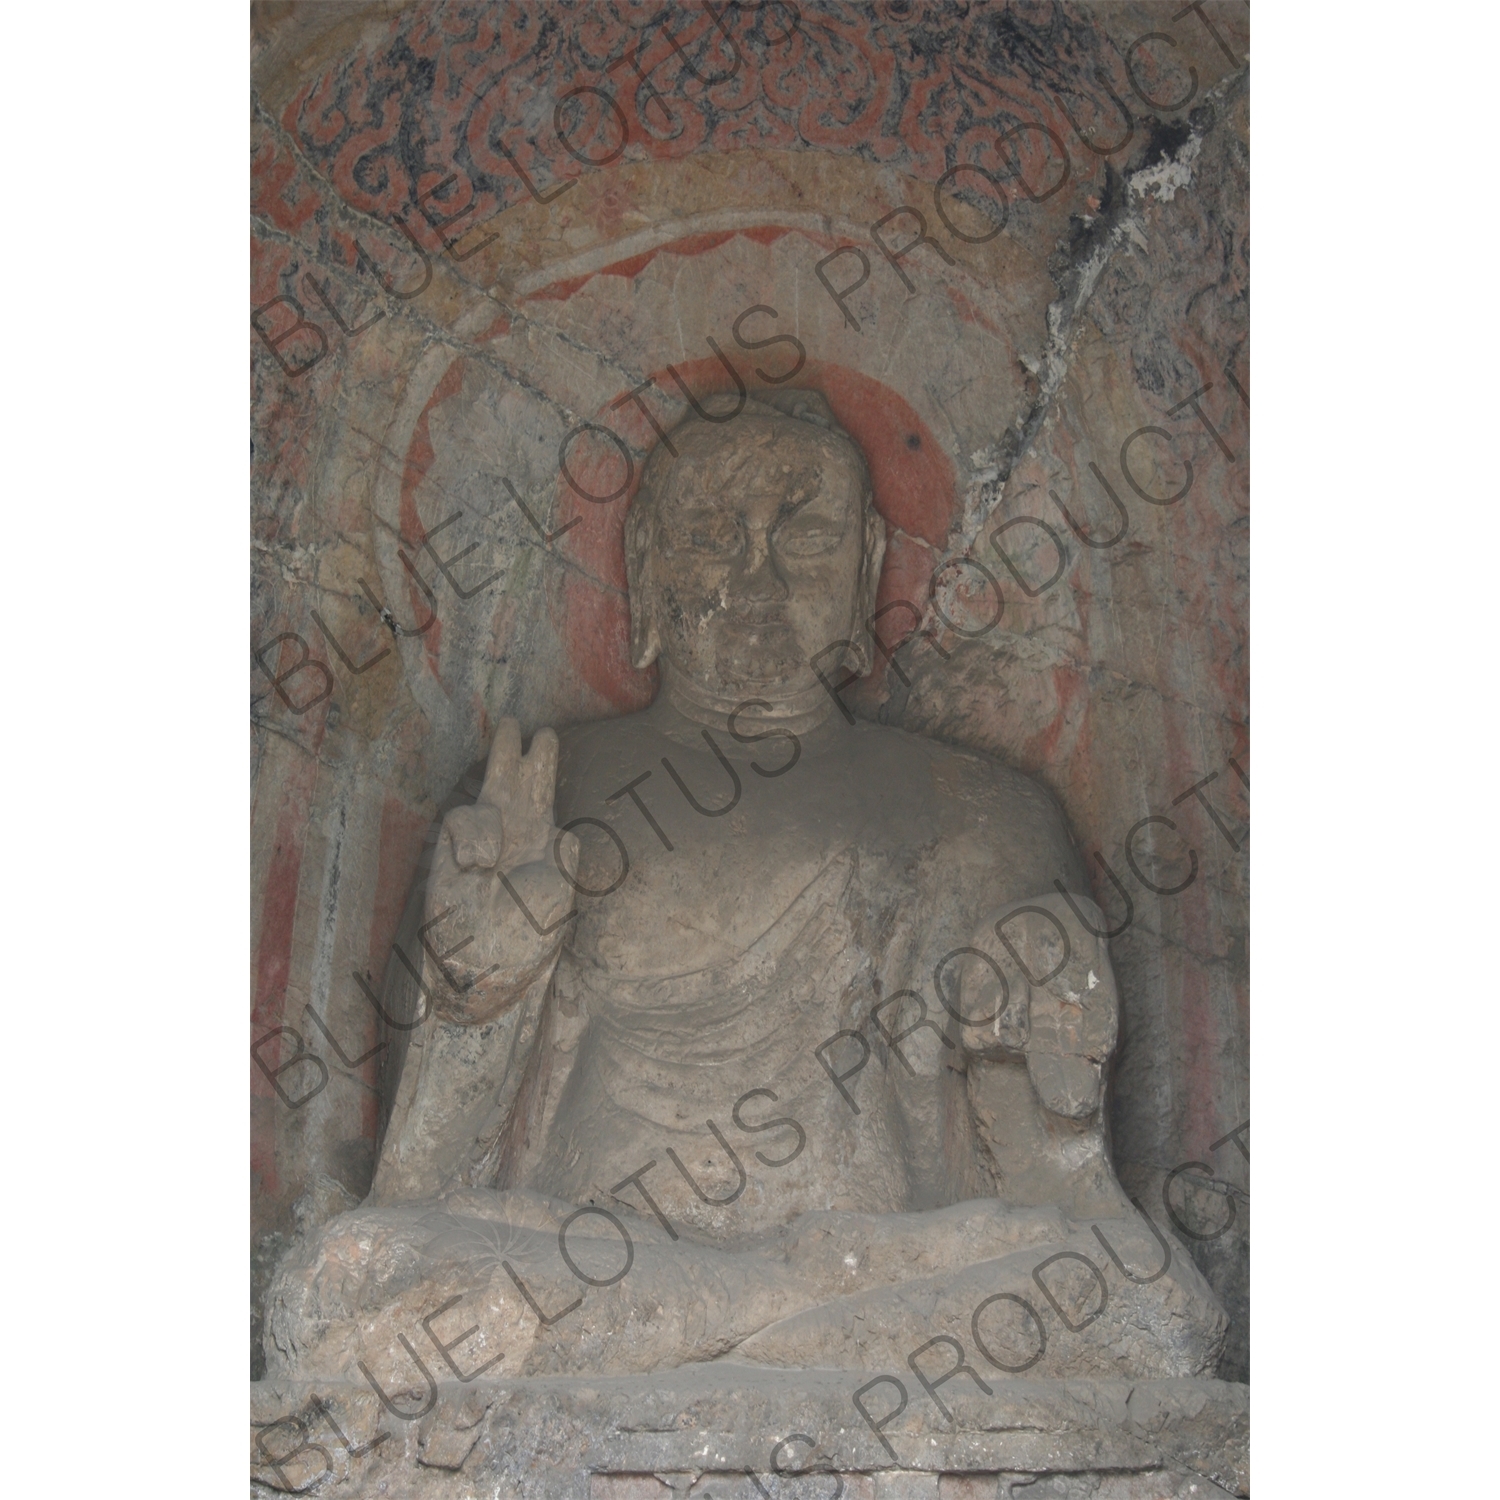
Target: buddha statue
(744,1029)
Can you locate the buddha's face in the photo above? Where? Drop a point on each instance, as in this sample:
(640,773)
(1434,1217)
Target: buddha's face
(760,540)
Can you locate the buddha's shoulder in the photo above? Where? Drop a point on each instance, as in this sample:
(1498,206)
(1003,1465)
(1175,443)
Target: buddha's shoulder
(957,773)
(602,746)
(906,789)
(974,796)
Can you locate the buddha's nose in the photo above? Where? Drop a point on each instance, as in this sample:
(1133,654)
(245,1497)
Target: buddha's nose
(759,581)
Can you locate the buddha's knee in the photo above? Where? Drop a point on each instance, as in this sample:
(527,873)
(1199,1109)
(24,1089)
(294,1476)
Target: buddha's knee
(385,1294)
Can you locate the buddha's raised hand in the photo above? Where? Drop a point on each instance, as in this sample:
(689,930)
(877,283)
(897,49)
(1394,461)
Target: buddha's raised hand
(501,889)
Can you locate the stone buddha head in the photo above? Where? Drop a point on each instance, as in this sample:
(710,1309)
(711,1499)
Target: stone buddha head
(752,546)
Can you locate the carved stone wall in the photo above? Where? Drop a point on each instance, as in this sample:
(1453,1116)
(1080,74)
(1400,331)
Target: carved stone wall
(477,230)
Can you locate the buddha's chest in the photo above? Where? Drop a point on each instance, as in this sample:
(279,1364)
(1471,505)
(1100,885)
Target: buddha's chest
(690,860)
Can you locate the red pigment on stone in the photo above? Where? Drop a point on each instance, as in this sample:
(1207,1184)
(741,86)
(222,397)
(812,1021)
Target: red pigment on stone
(402,830)
(273,948)
(419,457)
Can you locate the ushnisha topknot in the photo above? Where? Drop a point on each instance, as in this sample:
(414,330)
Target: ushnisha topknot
(805,406)
(717,414)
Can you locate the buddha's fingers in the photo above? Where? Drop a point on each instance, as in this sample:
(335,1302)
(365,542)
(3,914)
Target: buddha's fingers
(1067,1085)
(568,851)
(528,802)
(1074,1001)
(503,766)
(540,770)
(476,835)
(1038,979)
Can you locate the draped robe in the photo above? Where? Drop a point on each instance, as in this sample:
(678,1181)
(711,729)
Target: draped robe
(777,918)
(743,1077)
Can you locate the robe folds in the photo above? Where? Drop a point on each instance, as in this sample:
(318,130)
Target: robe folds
(800,893)
(816,1079)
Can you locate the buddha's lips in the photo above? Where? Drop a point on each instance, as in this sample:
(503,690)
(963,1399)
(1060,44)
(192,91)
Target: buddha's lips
(751,616)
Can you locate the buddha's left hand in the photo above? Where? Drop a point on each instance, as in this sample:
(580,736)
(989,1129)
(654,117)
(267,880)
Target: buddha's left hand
(1057,1002)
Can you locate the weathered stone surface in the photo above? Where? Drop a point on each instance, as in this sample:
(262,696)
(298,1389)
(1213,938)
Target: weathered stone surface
(702,1432)
(581,1009)
(997,388)
(831,1291)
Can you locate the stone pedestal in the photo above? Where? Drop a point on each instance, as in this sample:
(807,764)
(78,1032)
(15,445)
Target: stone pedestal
(724,1431)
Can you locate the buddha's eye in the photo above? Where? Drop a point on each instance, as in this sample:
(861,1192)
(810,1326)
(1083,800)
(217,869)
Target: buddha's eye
(710,535)
(810,538)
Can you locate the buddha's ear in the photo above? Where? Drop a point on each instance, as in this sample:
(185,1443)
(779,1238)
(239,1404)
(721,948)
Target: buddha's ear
(640,538)
(860,657)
